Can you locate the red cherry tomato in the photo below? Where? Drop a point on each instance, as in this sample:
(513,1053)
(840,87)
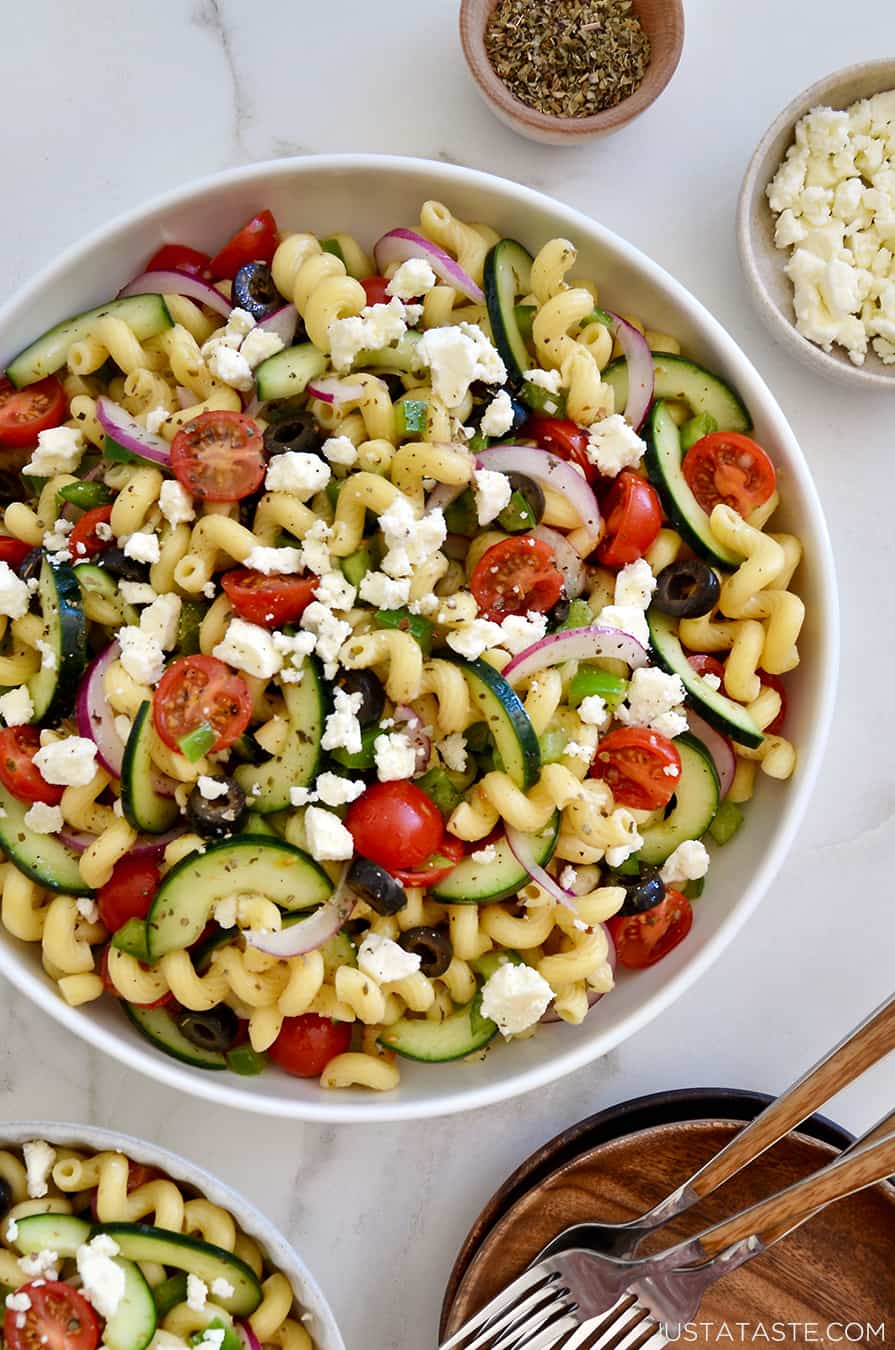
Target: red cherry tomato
(219,456)
(774,682)
(706,665)
(13,551)
(633,516)
(727,467)
(270,600)
(25,412)
(434,869)
(84,541)
(643,939)
(306,1044)
(179,258)
(198,691)
(129,892)
(18,772)
(59,1318)
(514,576)
(111,988)
(395,825)
(642,767)
(255,242)
(376,290)
(563,438)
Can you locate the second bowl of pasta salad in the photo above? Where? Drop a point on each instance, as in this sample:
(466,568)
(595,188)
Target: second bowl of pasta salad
(393,636)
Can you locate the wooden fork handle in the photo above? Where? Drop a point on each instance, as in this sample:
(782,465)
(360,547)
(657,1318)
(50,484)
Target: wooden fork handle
(879,1131)
(868,1043)
(771,1218)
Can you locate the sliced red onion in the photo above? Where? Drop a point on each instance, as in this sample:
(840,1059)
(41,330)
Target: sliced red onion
(334,391)
(283,322)
(178,283)
(94,713)
(568,559)
(126,431)
(522,847)
(442,495)
(146,846)
(641,371)
(77,840)
(247,1336)
(411,726)
(399,245)
(310,933)
(719,747)
(553,473)
(575,644)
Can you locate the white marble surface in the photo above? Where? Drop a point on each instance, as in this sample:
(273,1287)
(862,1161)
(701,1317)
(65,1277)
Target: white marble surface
(107,102)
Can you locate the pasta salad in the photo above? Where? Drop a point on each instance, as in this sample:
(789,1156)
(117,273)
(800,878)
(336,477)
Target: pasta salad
(96,1249)
(382,639)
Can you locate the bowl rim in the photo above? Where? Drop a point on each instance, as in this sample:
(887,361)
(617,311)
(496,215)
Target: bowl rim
(281,1252)
(331,1107)
(752,189)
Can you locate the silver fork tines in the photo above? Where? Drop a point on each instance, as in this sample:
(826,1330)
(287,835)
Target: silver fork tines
(488,1315)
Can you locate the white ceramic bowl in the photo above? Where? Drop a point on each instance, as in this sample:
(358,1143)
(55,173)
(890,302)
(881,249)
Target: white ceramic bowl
(366,195)
(281,1255)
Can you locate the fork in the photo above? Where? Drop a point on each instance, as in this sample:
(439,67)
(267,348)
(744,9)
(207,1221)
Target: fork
(582,1292)
(861,1048)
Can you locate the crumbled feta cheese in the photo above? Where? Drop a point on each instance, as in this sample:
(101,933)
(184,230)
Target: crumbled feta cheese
(282,561)
(225,912)
(634,584)
(628,618)
(336,791)
(222,1288)
(210,788)
(551,380)
(515,997)
(155,419)
(713,681)
(47,654)
(160,620)
(302,796)
(196,1293)
(248,647)
(14,594)
(315,549)
(16,707)
(231,368)
(102,1279)
(142,546)
(654,700)
(485,855)
(376,326)
(384,960)
(412,278)
(18,1303)
(328,839)
(239,324)
(519,631)
(384,592)
(475,636)
(175,503)
(395,757)
(427,604)
(298,472)
(136,592)
(409,541)
(577,750)
(613,445)
(12,1231)
(57,538)
(498,417)
(70,762)
(58,450)
(293,647)
(258,345)
(568,877)
(330,634)
(39,1159)
(87,908)
(43,819)
(688,862)
(212,1339)
(41,1266)
(457,355)
(342,730)
(141,655)
(453,751)
(622,852)
(492,492)
(335,592)
(593,711)
(339,450)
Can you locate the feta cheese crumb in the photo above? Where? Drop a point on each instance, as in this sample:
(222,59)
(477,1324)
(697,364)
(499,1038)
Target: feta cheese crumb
(211,788)
(328,839)
(137,592)
(628,618)
(492,492)
(196,1293)
(713,681)
(409,541)
(519,631)
(87,908)
(43,819)
(39,1159)
(551,380)
(160,620)
(58,450)
(16,707)
(225,912)
(339,450)
(70,762)
(384,960)
(43,1265)
(485,855)
(336,791)
(577,750)
(613,445)
(47,654)
(635,584)
(12,1231)
(688,862)
(498,417)
(385,592)
(515,997)
(298,472)
(142,546)
(342,730)
(453,751)
(248,647)
(412,278)
(457,355)
(14,594)
(654,700)
(231,368)
(376,326)
(395,757)
(284,561)
(141,655)
(175,503)
(222,1288)
(475,636)
(102,1281)
(155,419)
(593,711)
(330,633)
(18,1303)
(258,345)
(335,592)
(568,877)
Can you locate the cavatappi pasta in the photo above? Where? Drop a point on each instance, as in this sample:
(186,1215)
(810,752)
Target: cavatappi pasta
(379,651)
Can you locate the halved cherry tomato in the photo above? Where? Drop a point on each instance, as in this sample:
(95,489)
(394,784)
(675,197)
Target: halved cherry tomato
(198,691)
(376,290)
(84,541)
(270,600)
(179,258)
(514,576)
(306,1044)
(255,242)
(727,467)
(643,939)
(25,412)
(642,767)
(706,665)
(561,437)
(774,682)
(434,869)
(633,515)
(129,892)
(18,772)
(59,1318)
(395,825)
(13,551)
(219,456)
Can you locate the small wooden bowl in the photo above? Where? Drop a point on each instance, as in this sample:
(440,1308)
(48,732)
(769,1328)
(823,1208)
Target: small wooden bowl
(663,21)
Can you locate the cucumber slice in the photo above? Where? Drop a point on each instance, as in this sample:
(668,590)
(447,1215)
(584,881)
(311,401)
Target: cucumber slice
(159,1027)
(184,901)
(267,785)
(144,808)
(133,1324)
(94,580)
(54,686)
(288,373)
(678,378)
(169,1293)
(145,315)
(401,359)
(60,1233)
(461,1034)
(141,1242)
(718,710)
(663,464)
(42,857)
(500,706)
(696,801)
(507,274)
(477,883)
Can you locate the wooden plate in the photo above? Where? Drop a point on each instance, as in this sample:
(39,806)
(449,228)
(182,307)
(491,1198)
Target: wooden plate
(838,1268)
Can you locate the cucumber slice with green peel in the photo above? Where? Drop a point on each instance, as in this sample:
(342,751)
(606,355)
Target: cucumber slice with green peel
(289,373)
(188,893)
(718,710)
(461,1034)
(134,1322)
(94,580)
(680,379)
(145,315)
(267,785)
(483,883)
(54,686)
(60,1233)
(158,1026)
(144,808)
(400,359)
(663,462)
(695,803)
(42,857)
(141,1242)
(500,706)
(507,275)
